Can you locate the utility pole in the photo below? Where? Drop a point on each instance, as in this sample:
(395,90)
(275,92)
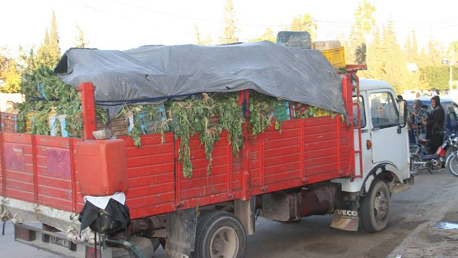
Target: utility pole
(450,83)
(451,63)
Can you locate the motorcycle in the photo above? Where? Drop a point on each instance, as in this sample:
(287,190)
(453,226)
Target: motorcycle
(445,156)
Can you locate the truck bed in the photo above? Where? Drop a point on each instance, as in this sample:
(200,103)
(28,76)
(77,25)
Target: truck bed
(41,169)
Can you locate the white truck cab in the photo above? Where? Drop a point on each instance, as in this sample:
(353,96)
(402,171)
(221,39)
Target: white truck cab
(384,135)
(384,155)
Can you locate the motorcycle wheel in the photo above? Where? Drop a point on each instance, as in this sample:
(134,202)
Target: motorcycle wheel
(453,165)
(415,169)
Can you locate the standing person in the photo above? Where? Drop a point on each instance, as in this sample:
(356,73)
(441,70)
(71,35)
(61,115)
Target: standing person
(435,124)
(417,122)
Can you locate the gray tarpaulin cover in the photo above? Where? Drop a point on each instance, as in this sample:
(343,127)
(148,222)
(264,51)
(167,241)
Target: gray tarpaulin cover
(155,73)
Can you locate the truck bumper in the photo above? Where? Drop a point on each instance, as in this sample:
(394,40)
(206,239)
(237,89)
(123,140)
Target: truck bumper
(55,243)
(21,211)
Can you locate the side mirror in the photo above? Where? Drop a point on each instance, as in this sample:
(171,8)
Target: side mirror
(402,113)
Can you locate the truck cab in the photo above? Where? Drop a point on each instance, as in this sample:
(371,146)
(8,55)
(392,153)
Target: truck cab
(383,129)
(384,152)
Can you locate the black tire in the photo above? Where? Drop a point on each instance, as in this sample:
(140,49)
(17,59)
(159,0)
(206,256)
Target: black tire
(220,233)
(143,245)
(453,165)
(375,207)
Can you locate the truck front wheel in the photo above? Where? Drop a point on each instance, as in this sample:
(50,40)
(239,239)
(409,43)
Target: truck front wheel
(375,207)
(220,235)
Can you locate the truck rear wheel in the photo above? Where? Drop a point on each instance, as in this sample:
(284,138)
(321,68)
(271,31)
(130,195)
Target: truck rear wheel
(375,207)
(220,235)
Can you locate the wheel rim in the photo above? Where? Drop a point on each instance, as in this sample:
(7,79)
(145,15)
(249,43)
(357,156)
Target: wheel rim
(454,166)
(380,206)
(414,169)
(224,243)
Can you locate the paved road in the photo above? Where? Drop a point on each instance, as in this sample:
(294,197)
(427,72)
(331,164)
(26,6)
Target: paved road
(10,248)
(430,197)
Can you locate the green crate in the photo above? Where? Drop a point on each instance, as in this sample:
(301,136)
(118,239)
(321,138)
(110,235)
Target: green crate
(151,125)
(281,110)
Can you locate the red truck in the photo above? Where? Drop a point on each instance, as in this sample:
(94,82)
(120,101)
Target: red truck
(315,166)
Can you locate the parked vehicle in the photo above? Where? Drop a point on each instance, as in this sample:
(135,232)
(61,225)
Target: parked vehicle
(314,166)
(445,156)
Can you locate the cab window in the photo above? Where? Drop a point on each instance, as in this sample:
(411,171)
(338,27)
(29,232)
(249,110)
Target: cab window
(361,111)
(383,110)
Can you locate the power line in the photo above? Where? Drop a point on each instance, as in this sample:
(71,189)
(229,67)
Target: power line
(143,8)
(326,26)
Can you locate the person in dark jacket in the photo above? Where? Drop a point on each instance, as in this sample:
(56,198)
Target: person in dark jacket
(435,124)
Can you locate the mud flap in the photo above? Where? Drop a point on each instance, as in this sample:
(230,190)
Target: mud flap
(181,233)
(245,211)
(346,216)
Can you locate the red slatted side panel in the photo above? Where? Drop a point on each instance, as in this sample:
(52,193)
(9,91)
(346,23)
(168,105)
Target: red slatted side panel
(237,167)
(282,153)
(1,164)
(306,151)
(18,166)
(54,172)
(322,151)
(255,162)
(201,184)
(151,175)
(79,198)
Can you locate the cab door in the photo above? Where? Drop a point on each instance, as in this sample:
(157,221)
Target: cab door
(389,139)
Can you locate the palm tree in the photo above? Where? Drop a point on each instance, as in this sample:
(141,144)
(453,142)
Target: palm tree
(360,54)
(364,18)
(305,23)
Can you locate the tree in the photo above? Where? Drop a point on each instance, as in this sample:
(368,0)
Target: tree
(414,53)
(362,27)
(80,40)
(305,23)
(230,29)
(386,60)
(408,49)
(434,56)
(268,35)
(374,57)
(10,76)
(49,51)
(54,38)
(364,18)
(411,47)
(199,41)
(452,52)
(13,78)
(437,76)
(360,54)
(4,60)
(394,68)
(27,59)
(351,45)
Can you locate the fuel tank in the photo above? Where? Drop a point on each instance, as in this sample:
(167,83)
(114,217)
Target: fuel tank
(101,167)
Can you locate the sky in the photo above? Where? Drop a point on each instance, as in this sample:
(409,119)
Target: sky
(126,24)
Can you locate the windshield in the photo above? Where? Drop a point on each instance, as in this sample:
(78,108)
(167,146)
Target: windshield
(383,110)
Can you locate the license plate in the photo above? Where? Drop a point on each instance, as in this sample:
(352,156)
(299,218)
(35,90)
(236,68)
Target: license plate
(60,241)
